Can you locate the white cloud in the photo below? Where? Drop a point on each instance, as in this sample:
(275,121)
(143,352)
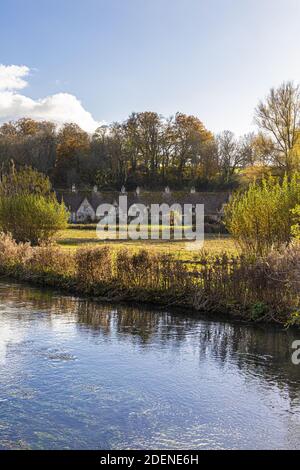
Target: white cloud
(11,77)
(60,107)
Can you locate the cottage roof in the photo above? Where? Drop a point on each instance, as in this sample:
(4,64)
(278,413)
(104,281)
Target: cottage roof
(213,201)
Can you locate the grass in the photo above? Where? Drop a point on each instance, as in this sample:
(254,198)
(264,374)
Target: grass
(73,238)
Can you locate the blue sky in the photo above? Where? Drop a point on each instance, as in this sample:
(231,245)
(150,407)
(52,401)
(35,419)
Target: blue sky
(214,58)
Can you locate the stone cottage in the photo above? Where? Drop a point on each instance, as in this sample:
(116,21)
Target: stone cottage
(82,205)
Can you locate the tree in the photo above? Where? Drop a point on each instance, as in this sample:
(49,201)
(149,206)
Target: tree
(72,143)
(150,150)
(295,153)
(24,181)
(117,151)
(29,209)
(233,154)
(144,133)
(190,136)
(263,150)
(30,143)
(261,217)
(279,118)
(145,150)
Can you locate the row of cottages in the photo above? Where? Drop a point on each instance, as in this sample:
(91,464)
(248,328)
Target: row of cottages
(82,205)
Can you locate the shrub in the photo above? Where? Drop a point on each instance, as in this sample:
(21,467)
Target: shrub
(13,254)
(284,267)
(260,218)
(296,220)
(172,274)
(266,289)
(258,310)
(134,270)
(51,259)
(29,209)
(31,218)
(93,265)
(294,319)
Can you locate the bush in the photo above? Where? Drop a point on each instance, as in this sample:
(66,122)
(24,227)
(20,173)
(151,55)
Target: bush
(94,265)
(29,209)
(31,218)
(284,267)
(296,220)
(133,269)
(51,259)
(13,254)
(261,218)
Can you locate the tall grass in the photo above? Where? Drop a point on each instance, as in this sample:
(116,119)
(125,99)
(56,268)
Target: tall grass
(267,289)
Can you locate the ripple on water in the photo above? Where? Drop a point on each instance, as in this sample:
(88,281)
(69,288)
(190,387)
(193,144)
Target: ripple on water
(75,374)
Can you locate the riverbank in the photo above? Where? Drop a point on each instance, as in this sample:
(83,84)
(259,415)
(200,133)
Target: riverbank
(266,290)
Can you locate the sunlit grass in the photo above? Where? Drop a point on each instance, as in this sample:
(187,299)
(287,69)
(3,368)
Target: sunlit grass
(72,239)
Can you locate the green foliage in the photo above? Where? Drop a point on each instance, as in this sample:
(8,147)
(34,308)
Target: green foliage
(31,217)
(258,310)
(28,208)
(261,218)
(294,319)
(296,220)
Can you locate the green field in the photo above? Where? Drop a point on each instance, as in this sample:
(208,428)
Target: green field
(73,238)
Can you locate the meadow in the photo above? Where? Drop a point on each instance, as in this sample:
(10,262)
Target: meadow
(85,237)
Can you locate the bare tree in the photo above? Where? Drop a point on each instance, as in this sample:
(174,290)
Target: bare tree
(279,117)
(232,153)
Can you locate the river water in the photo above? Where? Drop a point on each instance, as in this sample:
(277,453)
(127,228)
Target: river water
(78,375)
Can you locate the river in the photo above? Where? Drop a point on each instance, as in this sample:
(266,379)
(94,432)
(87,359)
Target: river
(80,375)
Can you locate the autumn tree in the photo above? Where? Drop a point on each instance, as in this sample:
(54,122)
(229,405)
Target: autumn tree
(149,150)
(145,150)
(190,134)
(72,144)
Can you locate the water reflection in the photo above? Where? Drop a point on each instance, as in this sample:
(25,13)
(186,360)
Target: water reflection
(99,376)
